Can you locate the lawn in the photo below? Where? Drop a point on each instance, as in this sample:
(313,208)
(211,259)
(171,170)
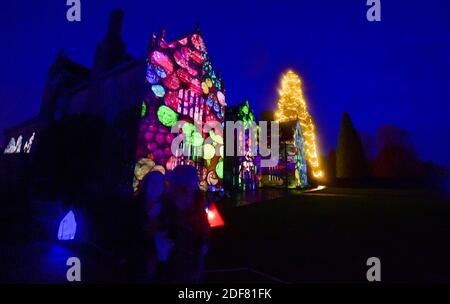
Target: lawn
(328,236)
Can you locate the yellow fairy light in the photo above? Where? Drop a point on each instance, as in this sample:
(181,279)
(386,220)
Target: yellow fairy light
(292,106)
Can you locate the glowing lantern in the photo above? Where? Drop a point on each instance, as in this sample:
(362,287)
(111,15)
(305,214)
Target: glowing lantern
(214,217)
(67,227)
(167,116)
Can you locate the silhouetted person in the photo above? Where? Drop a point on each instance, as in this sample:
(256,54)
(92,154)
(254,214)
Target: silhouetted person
(185,223)
(151,193)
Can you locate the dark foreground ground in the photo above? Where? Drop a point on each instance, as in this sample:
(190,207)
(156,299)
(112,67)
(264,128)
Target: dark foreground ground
(278,237)
(328,236)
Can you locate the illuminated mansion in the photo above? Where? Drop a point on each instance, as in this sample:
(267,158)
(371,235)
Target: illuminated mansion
(142,99)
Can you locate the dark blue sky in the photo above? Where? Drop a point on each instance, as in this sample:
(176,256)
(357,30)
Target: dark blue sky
(396,71)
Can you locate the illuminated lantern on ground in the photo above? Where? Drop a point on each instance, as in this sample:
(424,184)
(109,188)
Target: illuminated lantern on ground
(214,217)
(67,227)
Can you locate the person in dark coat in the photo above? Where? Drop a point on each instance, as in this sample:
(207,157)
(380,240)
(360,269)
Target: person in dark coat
(184,222)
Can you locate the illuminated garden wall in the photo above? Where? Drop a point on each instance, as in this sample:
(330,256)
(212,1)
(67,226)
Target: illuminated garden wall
(181,87)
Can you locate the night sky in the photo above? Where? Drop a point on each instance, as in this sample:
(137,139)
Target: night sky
(396,71)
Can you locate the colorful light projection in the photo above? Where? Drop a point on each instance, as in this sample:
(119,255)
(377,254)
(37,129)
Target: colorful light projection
(67,227)
(182,87)
(248,169)
(300,158)
(245,172)
(292,106)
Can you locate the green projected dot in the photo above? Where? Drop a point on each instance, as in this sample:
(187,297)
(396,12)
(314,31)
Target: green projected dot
(143,109)
(219,169)
(167,116)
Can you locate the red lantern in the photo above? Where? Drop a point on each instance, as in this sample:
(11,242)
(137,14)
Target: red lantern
(214,217)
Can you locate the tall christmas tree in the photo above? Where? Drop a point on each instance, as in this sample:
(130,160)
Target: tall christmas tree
(292,106)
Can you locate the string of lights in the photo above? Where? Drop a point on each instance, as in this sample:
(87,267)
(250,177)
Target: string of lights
(292,106)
